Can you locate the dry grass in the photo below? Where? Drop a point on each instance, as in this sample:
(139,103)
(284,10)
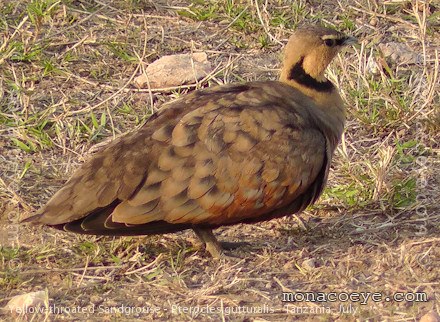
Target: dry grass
(66,70)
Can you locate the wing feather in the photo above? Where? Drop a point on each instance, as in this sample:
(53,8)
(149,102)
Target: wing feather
(238,153)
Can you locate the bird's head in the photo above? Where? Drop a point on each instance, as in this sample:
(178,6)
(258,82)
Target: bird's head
(310,50)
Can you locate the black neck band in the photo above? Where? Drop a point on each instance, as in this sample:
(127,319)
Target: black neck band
(299,75)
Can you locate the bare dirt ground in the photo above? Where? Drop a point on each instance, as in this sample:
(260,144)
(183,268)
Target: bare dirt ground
(66,83)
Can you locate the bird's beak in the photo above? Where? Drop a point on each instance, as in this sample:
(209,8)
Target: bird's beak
(350,41)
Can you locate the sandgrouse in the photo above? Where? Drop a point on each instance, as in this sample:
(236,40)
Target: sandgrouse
(237,153)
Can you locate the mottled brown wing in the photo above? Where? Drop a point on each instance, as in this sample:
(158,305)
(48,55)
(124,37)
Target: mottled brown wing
(218,156)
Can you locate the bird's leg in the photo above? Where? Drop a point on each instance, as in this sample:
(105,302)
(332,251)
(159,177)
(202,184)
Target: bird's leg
(213,246)
(211,243)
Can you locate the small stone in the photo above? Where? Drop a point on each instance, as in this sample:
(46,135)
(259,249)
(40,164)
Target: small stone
(431,316)
(309,264)
(175,70)
(96,299)
(21,304)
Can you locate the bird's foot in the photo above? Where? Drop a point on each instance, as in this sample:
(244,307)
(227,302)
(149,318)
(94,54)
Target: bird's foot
(213,246)
(233,245)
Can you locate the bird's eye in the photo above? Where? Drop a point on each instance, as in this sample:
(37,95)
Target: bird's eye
(330,42)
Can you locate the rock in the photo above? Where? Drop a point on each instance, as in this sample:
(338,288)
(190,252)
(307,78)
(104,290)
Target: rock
(431,316)
(309,264)
(400,53)
(26,303)
(175,70)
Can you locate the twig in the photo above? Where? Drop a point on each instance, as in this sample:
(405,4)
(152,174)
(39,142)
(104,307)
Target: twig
(266,29)
(61,270)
